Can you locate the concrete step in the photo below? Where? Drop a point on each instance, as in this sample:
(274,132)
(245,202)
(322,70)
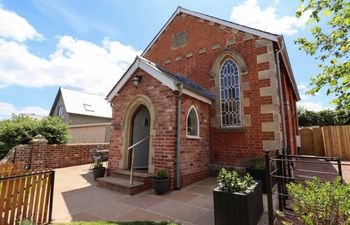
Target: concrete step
(121,185)
(144,177)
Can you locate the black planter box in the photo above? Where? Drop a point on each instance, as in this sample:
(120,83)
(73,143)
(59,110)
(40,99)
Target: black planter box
(238,208)
(261,175)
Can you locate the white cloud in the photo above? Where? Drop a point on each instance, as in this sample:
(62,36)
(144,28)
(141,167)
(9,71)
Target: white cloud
(7,110)
(250,14)
(16,27)
(313,106)
(76,63)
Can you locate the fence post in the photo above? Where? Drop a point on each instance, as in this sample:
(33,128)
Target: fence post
(279,183)
(51,195)
(269,188)
(339,168)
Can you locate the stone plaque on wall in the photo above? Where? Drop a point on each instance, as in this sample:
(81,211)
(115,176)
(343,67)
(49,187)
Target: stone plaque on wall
(178,40)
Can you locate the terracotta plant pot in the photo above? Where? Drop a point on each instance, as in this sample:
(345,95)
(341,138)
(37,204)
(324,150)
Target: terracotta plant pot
(99,172)
(160,186)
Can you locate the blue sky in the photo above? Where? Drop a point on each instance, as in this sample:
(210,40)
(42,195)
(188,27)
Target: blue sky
(89,44)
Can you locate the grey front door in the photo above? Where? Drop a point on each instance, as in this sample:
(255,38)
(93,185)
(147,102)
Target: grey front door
(141,129)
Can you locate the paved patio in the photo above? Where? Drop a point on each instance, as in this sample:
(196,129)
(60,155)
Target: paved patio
(77,198)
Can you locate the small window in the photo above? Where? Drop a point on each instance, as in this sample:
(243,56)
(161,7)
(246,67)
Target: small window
(89,108)
(60,111)
(192,129)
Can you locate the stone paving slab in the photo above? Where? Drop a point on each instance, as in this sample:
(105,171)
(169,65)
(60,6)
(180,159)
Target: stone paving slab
(77,198)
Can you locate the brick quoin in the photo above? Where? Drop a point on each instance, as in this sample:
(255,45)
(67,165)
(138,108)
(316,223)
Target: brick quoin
(206,41)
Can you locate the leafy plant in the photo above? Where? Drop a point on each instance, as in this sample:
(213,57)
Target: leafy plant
(320,203)
(323,118)
(257,163)
(330,45)
(232,182)
(26,222)
(22,129)
(161,174)
(97,164)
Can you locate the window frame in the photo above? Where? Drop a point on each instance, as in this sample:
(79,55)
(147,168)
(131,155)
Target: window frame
(198,123)
(240,96)
(60,111)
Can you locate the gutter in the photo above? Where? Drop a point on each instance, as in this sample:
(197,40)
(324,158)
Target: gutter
(280,93)
(178,134)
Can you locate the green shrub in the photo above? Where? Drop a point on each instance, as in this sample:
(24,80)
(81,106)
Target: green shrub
(98,164)
(22,129)
(161,174)
(231,182)
(26,222)
(54,130)
(320,203)
(257,163)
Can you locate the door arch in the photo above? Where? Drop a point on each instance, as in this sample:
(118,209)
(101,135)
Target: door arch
(140,130)
(127,130)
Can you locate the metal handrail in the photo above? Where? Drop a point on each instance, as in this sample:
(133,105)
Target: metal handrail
(131,148)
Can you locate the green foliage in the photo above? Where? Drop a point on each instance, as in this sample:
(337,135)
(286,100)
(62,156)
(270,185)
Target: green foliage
(26,222)
(161,174)
(231,182)
(117,223)
(323,118)
(257,163)
(330,45)
(320,203)
(54,130)
(98,164)
(22,129)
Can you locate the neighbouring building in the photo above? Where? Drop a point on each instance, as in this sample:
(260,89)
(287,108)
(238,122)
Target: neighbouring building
(208,93)
(87,115)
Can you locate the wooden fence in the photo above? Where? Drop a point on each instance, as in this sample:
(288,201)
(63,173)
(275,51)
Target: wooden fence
(25,194)
(326,141)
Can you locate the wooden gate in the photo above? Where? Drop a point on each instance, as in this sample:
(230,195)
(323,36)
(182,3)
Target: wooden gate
(25,194)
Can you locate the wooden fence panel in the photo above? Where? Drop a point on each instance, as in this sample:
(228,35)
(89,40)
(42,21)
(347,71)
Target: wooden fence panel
(25,195)
(311,141)
(336,141)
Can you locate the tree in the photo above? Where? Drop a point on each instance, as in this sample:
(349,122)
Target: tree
(22,129)
(323,118)
(330,45)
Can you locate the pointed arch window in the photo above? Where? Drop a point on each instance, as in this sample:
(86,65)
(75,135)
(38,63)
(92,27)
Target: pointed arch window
(230,95)
(192,123)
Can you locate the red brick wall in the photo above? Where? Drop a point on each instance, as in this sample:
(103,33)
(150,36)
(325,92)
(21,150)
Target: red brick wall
(290,109)
(164,138)
(227,147)
(54,156)
(195,153)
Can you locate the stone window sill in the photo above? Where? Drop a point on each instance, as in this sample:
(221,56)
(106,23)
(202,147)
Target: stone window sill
(232,129)
(193,137)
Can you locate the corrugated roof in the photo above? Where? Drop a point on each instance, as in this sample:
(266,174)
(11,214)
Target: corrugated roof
(85,104)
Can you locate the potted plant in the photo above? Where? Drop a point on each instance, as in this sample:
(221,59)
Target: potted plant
(161,182)
(257,170)
(237,200)
(98,169)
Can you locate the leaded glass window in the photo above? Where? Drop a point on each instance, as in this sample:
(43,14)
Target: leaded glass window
(192,123)
(230,95)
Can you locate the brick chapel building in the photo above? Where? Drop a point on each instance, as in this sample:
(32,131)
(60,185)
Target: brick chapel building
(205,93)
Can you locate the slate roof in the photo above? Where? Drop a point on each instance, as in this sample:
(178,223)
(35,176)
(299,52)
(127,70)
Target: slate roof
(189,84)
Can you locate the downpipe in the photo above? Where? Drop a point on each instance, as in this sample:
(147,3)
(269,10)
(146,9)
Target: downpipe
(280,93)
(178,135)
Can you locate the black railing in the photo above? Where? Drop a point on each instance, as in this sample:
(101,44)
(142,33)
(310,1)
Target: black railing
(295,168)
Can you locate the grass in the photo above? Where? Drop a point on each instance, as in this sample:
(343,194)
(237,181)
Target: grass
(117,223)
